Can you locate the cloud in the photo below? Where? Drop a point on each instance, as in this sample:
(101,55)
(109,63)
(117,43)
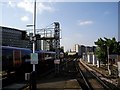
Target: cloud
(52,0)
(41,8)
(11,4)
(25,18)
(86,22)
(28,6)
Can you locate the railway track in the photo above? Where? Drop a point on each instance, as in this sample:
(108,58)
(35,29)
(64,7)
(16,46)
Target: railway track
(91,80)
(66,68)
(67,76)
(84,76)
(73,70)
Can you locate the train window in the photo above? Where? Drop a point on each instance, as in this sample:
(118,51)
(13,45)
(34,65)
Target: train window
(26,55)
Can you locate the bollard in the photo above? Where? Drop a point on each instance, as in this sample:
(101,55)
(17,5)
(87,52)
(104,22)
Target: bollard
(93,59)
(88,58)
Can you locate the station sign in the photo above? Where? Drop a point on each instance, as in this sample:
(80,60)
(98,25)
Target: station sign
(34,58)
(57,61)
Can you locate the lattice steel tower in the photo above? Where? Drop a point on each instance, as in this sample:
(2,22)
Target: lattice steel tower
(57,39)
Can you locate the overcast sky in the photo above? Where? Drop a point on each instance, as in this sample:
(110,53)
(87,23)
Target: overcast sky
(81,22)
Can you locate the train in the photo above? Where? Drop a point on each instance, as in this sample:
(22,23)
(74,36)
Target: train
(17,61)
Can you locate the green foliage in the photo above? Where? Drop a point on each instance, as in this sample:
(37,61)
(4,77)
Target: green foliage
(101,54)
(103,44)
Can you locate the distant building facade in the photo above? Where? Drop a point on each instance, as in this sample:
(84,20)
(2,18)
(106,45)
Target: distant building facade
(77,49)
(17,38)
(81,49)
(89,49)
(14,37)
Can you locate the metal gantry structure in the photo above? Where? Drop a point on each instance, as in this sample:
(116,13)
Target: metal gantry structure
(51,38)
(57,39)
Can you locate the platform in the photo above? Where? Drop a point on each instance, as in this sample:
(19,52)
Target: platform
(17,86)
(59,84)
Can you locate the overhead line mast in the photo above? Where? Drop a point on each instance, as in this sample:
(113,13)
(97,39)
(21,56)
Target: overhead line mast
(34,30)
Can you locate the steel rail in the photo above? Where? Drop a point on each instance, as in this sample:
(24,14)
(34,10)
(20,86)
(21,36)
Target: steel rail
(81,73)
(96,77)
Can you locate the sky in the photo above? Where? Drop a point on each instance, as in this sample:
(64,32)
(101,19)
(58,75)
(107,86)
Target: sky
(80,22)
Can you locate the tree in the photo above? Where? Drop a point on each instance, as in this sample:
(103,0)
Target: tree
(101,55)
(105,48)
(101,50)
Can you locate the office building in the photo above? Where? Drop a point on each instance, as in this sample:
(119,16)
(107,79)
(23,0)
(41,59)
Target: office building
(14,37)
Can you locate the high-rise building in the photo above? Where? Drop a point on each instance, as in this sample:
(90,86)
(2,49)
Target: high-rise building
(14,37)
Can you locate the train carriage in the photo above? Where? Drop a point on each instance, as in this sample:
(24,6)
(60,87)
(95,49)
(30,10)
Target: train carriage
(13,57)
(16,62)
(46,60)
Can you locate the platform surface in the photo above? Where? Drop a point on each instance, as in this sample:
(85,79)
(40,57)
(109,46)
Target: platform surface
(71,84)
(15,87)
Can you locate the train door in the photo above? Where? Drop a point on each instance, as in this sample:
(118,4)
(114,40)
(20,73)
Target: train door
(17,58)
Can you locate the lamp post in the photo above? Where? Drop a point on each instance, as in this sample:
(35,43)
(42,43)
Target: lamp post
(34,58)
(33,74)
(34,30)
